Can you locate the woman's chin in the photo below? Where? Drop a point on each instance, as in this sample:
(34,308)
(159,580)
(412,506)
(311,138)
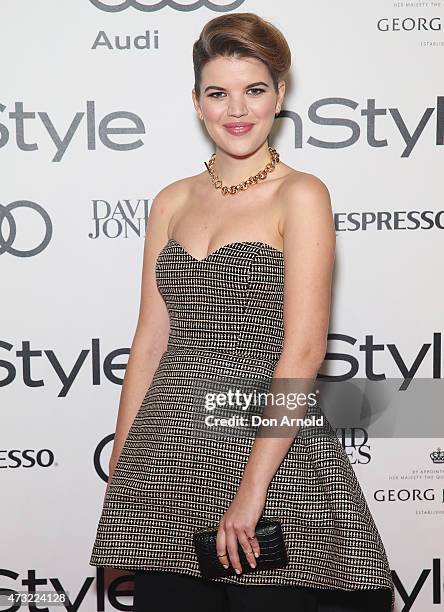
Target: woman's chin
(240,147)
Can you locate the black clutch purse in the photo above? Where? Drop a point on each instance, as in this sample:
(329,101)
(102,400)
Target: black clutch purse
(273,553)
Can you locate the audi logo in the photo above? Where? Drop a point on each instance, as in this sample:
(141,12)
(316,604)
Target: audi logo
(7,218)
(115,6)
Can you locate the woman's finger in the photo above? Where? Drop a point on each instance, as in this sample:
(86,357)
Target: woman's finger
(247,548)
(221,548)
(251,535)
(232,544)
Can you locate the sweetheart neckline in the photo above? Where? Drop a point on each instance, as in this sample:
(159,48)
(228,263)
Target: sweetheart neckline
(224,246)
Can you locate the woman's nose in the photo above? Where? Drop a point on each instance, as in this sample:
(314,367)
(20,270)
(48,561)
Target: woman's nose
(237,108)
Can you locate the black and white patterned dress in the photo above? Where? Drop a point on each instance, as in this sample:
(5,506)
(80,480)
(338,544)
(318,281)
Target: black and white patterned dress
(226,320)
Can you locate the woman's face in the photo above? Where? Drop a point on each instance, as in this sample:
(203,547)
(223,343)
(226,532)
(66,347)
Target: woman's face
(238,91)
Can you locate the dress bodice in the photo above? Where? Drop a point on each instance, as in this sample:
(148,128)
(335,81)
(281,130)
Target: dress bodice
(230,301)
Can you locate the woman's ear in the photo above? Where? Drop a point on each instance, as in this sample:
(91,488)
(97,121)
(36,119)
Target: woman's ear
(196,104)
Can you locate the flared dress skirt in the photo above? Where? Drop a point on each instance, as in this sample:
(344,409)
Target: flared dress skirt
(176,475)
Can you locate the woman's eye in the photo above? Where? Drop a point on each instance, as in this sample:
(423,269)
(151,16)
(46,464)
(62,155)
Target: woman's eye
(219,94)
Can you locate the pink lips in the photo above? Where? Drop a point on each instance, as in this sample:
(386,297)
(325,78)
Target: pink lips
(238,128)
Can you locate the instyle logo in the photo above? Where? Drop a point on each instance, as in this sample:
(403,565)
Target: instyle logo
(387,221)
(428,586)
(26,458)
(408,134)
(409,24)
(93,359)
(23,362)
(115,6)
(430,353)
(120,219)
(371,113)
(8,228)
(102,129)
(24,589)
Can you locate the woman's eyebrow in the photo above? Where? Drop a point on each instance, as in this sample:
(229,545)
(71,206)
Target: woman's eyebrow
(247,87)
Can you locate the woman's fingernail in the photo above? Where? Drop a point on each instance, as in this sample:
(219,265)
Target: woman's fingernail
(226,566)
(238,571)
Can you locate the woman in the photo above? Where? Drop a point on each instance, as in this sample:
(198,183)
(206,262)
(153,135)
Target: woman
(236,282)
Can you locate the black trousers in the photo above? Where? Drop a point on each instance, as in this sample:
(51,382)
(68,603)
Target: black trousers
(156,591)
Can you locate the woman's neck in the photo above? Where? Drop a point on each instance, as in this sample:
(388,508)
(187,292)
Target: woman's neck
(233,170)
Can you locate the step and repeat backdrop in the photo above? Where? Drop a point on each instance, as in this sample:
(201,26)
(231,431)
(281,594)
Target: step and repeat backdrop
(96,117)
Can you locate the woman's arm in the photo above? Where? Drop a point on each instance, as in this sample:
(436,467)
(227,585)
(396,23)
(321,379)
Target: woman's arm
(153,326)
(309,252)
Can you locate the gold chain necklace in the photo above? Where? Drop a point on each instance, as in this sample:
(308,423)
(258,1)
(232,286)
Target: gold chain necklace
(252,180)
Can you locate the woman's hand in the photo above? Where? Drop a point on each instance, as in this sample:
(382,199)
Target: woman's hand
(239,524)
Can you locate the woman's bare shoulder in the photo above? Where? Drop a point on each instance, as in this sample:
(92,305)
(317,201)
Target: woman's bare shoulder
(172,196)
(178,191)
(173,191)
(171,200)
(298,181)
(303,189)
(303,196)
